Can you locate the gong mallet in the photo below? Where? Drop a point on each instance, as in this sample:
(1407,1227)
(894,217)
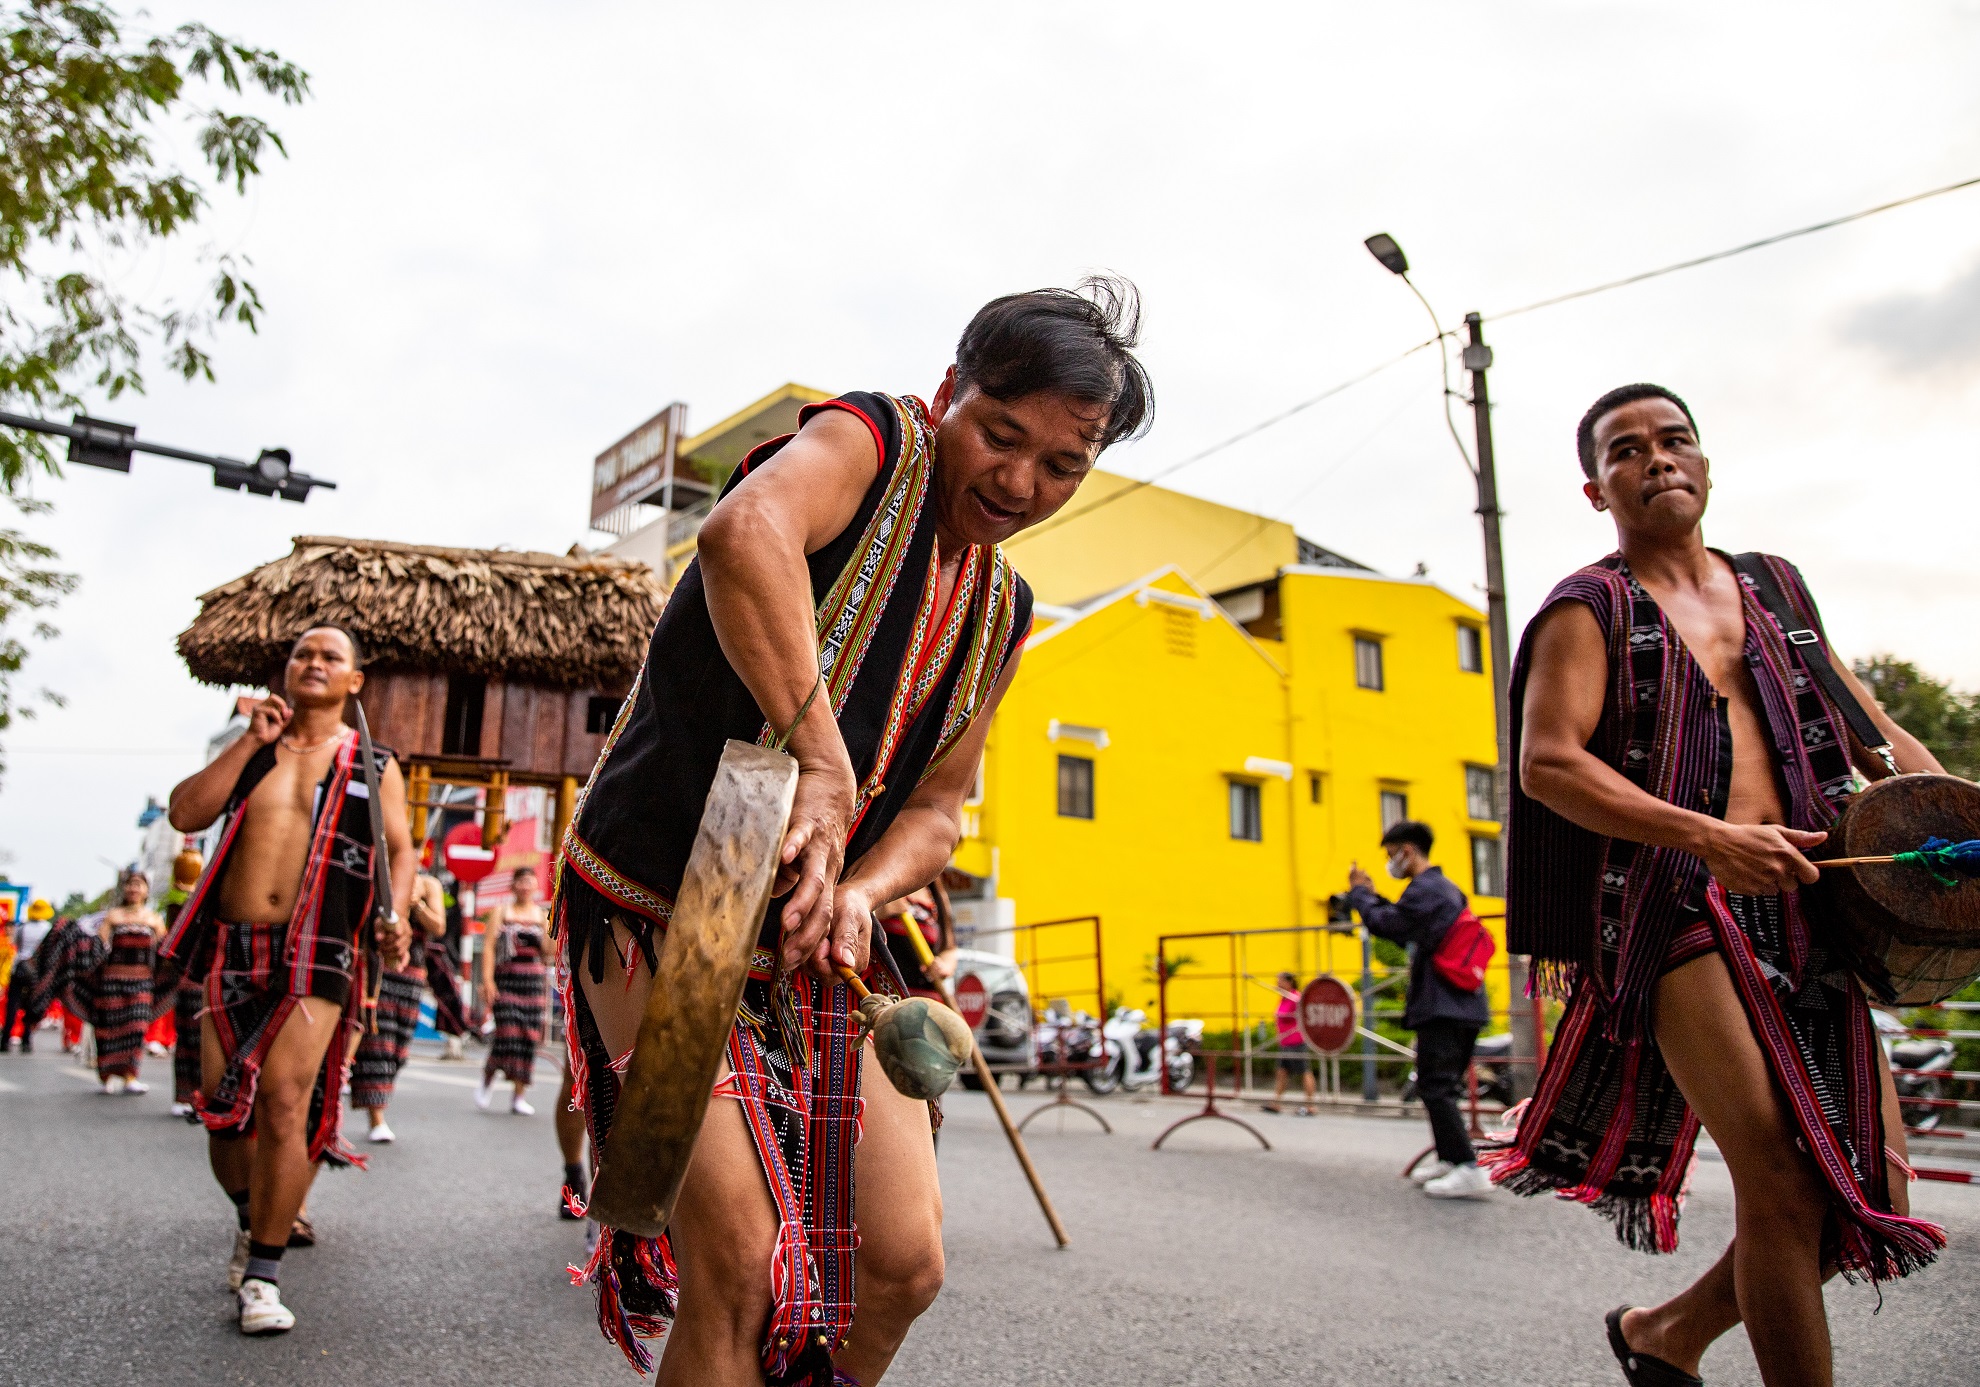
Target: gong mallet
(920,1047)
(989,1081)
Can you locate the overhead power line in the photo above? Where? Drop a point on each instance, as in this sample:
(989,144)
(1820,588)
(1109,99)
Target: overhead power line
(1262,425)
(1736,250)
(1236,438)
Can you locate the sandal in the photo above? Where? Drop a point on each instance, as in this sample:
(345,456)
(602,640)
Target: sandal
(303,1234)
(1643,1369)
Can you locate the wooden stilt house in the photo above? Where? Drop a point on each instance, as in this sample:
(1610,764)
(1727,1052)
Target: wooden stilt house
(484,668)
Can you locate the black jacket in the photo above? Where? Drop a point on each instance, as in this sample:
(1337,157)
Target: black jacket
(1420,919)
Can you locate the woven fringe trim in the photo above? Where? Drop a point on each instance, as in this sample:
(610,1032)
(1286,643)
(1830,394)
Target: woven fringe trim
(1882,1247)
(623,1326)
(1642,1224)
(1547,977)
(583,915)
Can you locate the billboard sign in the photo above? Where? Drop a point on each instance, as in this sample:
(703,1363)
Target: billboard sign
(639,465)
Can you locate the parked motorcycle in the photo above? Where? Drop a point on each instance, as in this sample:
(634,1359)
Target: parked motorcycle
(1065,1039)
(1134,1053)
(1931,1059)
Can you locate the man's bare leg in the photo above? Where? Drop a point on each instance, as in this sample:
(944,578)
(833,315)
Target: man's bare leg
(1771,1277)
(898,1268)
(282,1171)
(724,1228)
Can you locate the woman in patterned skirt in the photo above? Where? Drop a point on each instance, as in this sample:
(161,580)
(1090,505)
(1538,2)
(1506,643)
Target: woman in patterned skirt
(513,973)
(119,989)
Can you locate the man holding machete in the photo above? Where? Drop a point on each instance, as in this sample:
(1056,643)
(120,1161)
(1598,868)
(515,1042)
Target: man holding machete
(285,925)
(850,601)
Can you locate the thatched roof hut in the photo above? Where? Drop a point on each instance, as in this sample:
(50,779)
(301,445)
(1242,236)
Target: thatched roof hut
(546,619)
(483,666)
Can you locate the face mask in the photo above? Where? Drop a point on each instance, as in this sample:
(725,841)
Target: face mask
(1398,866)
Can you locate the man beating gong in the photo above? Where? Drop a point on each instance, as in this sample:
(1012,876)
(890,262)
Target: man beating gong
(849,600)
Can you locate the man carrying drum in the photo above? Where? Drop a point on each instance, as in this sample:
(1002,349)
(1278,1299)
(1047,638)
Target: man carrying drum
(849,600)
(1678,755)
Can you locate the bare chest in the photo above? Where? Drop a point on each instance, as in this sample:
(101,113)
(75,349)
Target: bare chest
(1712,626)
(285,800)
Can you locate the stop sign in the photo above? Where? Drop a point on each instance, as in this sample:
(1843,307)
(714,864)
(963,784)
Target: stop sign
(1326,1014)
(464,855)
(972,999)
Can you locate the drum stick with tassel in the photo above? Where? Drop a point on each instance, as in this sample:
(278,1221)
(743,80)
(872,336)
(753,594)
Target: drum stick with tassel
(989,1081)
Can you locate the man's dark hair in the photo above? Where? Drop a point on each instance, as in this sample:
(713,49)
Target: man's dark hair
(1409,831)
(357,648)
(1071,342)
(1584,434)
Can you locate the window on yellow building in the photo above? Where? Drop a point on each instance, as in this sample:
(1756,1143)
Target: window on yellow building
(1395,808)
(1479,800)
(1471,648)
(1316,784)
(1247,818)
(1368,662)
(1485,871)
(1075,787)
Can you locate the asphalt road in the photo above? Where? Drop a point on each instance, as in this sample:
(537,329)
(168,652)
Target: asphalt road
(1209,1262)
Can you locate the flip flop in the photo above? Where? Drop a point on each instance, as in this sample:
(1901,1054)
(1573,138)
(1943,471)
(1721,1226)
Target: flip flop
(303,1233)
(1643,1369)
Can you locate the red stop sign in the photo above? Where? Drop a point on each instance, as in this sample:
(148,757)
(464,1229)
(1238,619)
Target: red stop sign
(1326,1015)
(464,855)
(972,999)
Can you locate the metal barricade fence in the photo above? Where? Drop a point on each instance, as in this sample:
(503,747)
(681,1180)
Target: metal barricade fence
(1929,1100)
(1061,963)
(1227,980)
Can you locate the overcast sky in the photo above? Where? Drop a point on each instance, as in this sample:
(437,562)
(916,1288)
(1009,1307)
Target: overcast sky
(507,233)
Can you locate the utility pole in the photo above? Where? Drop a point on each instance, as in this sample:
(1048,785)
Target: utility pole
(1477,359)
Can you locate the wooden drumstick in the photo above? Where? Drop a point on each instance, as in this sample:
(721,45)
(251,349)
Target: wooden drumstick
(989,1082)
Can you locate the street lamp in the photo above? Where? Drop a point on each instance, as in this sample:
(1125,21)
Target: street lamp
(1477,357)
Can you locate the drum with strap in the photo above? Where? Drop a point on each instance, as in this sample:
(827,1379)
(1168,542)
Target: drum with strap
(1910,931)
(1898,897)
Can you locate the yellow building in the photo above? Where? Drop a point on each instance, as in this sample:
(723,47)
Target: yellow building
(1214,717)
(1175,759)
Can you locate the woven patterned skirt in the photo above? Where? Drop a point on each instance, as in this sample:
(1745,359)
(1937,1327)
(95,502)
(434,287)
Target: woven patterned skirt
(383,1050)
(249,998)
(119,996)
(1608,1126)
(442,979)
(795,1071)
(521,1010)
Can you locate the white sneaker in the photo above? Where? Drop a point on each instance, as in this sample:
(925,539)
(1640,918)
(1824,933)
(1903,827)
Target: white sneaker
(262,1310)
(484,1094)
(237,1264)
(455,1050)
(519,1105)
(1437,1169)
(182,1110)
(382,1133)
(114,1084)
(1466,1182)
(153,1048)
(133,1086)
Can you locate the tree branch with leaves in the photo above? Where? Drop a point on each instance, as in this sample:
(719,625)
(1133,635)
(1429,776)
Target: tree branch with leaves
(84,95)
